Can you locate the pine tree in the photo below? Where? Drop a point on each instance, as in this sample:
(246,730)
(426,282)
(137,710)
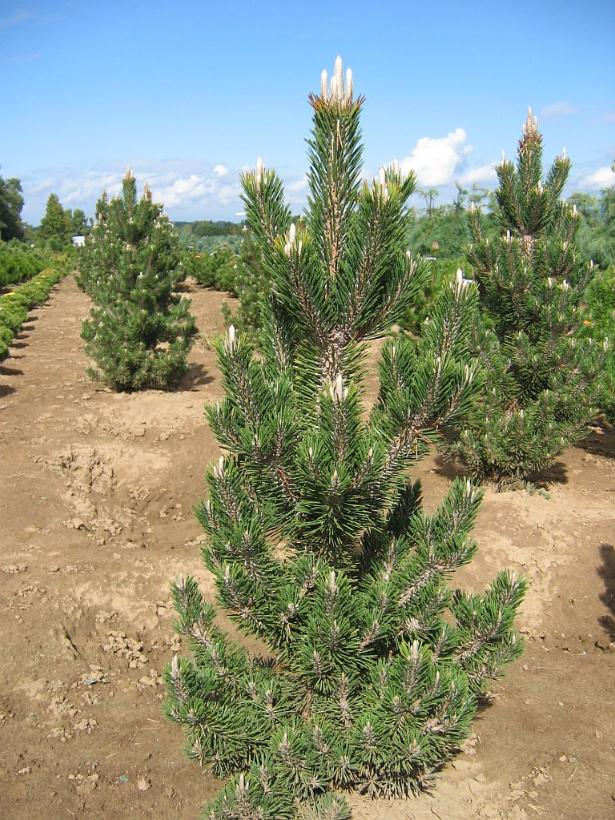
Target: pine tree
(55,224)
(370,667)
(531,283)
(140,330)
(78,223)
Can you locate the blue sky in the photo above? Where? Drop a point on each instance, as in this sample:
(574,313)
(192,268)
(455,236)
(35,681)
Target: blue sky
(189,93)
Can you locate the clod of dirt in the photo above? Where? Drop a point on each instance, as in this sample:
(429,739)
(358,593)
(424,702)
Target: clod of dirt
(121,646)
(13,569)
(85,783)
(153,679)
(539,776)
(143,785)
(86,725)
(60,706)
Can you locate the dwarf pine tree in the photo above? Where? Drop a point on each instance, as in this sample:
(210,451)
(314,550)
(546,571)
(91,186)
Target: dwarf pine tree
(531,283)
(140,330)
(369,667)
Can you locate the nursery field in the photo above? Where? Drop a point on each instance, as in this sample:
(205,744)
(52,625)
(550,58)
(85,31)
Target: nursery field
(96,497)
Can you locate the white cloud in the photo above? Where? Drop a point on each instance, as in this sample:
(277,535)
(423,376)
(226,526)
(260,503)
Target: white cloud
(220,170)
(298,185)
(181,191)
(558,109)
(601,178)
(482,173)
(435,159)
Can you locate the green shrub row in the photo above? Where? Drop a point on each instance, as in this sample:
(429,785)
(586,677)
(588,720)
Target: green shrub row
(217,269)
(19,262)
(14,306)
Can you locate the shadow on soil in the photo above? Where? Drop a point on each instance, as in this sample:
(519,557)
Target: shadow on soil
(601,441)
(6,390)
(555,474)
(10,371)
(448,468)
(196,376)
(606,571)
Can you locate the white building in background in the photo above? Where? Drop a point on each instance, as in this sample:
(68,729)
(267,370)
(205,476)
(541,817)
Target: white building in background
(78,241)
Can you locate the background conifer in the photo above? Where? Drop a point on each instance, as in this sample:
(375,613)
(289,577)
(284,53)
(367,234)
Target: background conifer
(140,329)
(531,281)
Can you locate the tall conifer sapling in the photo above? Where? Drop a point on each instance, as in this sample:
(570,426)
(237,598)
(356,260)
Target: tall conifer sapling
(370,667)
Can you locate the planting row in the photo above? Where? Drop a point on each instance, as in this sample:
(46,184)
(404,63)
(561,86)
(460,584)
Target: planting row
(19,262)
(14,306)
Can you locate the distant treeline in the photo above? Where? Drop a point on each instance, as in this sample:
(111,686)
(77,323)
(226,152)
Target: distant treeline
(207,235)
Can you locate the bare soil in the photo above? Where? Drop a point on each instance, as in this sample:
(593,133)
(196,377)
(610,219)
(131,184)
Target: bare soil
(96,498)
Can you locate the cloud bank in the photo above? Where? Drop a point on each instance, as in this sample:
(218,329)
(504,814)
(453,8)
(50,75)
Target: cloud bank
(185,190)
(192,190)
(435,160)
(600,178)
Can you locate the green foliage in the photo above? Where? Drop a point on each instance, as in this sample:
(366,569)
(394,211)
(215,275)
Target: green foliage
(205,236)
(14,306)
(442,274)
(600,325)
(11,204)
(12,312)
(217,269)
(316,536)
(206,227)
(596,238)
(539,396)
(78,223)
(55,226)
(444,234)
(140,330)
(252,287)
(19,262)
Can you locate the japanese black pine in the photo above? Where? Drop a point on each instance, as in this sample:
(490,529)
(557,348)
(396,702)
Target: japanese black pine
(531,281)
(140,330)
(365,667)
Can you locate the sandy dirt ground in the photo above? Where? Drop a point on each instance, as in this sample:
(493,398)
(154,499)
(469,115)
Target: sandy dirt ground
(96,497)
